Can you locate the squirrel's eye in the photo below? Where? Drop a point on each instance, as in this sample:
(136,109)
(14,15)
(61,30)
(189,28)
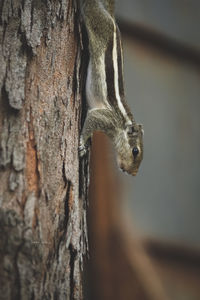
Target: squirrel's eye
(135,151)
(130,130)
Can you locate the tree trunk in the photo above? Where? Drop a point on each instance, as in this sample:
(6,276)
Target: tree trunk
(43,187)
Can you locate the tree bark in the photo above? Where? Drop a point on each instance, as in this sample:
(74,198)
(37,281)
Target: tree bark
(43,187)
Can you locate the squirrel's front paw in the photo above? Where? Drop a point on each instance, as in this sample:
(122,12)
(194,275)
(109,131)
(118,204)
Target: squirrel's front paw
(82,149)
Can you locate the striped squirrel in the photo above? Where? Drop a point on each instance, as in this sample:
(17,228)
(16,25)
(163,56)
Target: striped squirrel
(107,109)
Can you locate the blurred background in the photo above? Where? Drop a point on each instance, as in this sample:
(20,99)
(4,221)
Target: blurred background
(145,231)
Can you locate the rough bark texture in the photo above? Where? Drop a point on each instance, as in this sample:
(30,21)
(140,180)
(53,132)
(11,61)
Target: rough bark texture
(42,186)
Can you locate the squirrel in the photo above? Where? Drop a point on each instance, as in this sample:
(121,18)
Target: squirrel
(108,110)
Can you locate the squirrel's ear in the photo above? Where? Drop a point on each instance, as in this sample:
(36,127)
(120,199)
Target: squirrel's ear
(141,128)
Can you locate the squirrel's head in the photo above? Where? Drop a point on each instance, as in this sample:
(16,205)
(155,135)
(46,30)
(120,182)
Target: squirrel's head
(129,147)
